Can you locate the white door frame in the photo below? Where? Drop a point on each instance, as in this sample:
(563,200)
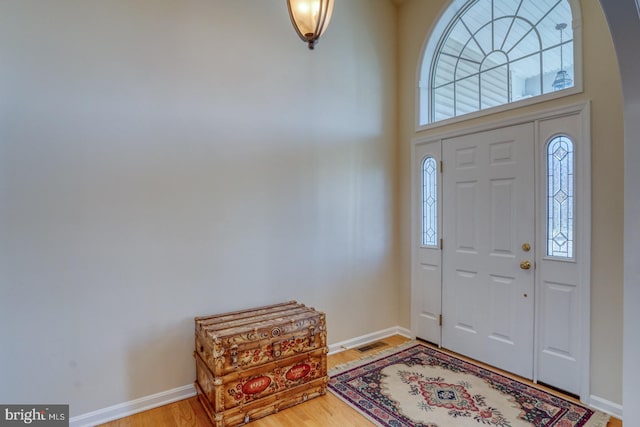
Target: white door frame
(582,227)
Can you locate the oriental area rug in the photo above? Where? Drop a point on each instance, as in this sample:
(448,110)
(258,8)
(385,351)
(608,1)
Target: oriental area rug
(417,385)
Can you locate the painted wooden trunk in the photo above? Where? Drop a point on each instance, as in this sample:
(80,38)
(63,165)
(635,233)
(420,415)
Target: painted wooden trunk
(256,362)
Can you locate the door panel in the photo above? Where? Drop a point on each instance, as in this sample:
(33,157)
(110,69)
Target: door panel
(487,299)
(563,283)
(427,270)
(502,222)
(466,237)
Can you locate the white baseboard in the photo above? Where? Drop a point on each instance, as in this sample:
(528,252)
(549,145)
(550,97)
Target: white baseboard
(605,405)
(121,410)
(365,339)
(126,409)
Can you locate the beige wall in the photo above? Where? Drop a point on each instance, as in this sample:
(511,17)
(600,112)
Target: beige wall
(623,17)
(158,161)
(163,159)
(602,87)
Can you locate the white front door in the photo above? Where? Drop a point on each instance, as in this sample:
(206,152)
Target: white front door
(489,229)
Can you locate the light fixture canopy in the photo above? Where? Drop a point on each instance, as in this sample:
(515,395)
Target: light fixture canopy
(310,18)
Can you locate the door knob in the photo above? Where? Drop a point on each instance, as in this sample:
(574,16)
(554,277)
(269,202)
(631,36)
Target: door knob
(525,265)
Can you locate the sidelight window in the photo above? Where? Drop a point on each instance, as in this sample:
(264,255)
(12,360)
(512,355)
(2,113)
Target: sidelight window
(560,197)
(429,202)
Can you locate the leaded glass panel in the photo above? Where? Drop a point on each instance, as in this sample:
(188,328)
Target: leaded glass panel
(430,202)
(560,198)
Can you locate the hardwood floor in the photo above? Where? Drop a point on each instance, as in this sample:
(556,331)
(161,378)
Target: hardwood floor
(325,411)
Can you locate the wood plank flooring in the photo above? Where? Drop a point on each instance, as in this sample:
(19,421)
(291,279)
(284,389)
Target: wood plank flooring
(325,411)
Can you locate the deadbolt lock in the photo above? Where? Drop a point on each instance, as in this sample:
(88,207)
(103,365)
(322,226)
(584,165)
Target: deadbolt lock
(526,247)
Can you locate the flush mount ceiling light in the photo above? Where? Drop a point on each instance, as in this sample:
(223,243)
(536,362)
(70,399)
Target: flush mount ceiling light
(310,18)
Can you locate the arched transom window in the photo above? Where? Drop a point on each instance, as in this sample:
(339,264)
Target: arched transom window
(487,53)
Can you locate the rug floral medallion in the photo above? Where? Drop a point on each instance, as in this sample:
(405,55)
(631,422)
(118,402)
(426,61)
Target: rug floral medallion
(416,385)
